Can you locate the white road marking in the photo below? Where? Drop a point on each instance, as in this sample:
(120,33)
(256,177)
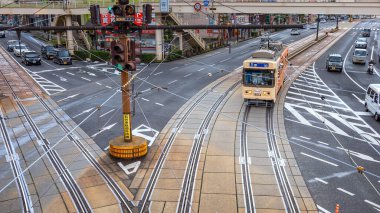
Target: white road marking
(144,99)
(188,75)
(363,113)
(323,143)
(57,69)
(316,158)
(91,74)
(98,83)
(103,129)
(70,73)
(71,96)
(173,68)
(200,69)
(225,60)
(359,155)
(345,191)
(146,90)
(297,115)
(83,112)
(107,113)
(140,130)
(172,82)
(372,52)
(108,87)
(158,73)
(305,137)
(85,78)
(360,100)
(105,149)
(130,168)
(344,70)
(159,104)
(320,180)
(322,209)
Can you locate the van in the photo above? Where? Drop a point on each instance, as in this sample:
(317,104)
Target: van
(47,51)
(62,56)
(334,62)
(359,56)
(372,102)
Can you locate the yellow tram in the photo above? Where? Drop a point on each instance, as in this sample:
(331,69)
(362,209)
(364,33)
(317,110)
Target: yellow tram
(263,75)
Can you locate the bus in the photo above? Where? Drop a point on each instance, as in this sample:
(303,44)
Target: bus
(263,75)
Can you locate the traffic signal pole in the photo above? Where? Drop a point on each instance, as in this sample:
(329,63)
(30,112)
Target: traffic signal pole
(127,146)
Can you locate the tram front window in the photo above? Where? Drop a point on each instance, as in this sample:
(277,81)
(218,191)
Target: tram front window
(258,77)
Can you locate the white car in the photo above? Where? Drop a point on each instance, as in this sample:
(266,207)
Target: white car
(372,102)
(322,21)
(18,49)
(313,26)
(295,32)
(359,56)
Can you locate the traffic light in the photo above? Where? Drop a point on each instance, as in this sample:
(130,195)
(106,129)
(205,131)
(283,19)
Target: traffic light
(118,53)
(147,11)
(95,14)
(130,10)
(133,55)
(119,8)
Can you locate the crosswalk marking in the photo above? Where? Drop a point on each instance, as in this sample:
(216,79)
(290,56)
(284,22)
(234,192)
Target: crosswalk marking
(49,87)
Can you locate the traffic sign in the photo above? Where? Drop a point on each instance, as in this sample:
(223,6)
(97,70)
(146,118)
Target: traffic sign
(205,3)
(197,6)
(212,8)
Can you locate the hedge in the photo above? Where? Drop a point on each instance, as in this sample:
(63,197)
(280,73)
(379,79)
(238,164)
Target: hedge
(94,55)
(147,57)
(175,54)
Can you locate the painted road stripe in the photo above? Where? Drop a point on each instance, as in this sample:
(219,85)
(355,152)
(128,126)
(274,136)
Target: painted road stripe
(85,78)
(107,112)
(158,73)
(188,75)
(225,60)
(320,180)
(172,82)
(70,73)
(144,99)
(345,191)
(146,90)
(360,100)
(305,137)
(363,113)
(109,87)
(200,69)
(323,143)
(311,91)
(173,68)
(159,104)
(297,114)
(98,83)
(71,96)
(321,209)
(324,161)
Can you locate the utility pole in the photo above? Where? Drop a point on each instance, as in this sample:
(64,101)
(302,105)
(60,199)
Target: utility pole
(317,27)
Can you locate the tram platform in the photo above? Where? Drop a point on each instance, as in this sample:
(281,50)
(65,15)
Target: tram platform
(45,187)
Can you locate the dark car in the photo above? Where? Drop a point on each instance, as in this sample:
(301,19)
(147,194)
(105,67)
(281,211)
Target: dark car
(30,57)
(366,32)
(62,56)
(47,51)
(334,62)
(2,34)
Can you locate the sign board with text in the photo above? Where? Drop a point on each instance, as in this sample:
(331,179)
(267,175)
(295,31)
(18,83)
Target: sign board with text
(164,6)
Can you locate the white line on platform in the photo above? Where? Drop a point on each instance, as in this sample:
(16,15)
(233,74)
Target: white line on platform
(172,82)
(188,75)
(316,158)
(323,143)
(173,68)
(159,104)
(107,113)
(201,69)
(85,78)
(144,99)
(345,191)
(321,209)
(71,96)
(305,137)
(158,73)
(372,203)
(320,180)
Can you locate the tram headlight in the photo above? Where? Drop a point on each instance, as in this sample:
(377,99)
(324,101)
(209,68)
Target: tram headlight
(266,93)
(248,92)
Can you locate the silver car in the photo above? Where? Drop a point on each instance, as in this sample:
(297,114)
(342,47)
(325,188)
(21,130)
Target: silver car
(361,43)
(359,56)
(18,49)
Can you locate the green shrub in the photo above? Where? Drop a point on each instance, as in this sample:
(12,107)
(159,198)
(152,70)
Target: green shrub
(175,54)
(94,55)
(147,57)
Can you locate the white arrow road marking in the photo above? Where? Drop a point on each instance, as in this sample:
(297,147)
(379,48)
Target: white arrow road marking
(316,158)
(71,96)
(103,129)
(140,130)
(359,155)
(130,168)
(85,111)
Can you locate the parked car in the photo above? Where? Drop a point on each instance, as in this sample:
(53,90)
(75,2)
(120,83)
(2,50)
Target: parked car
(47,51)
(30,57)
(372,100)
(18,49)
(334,62)
(2,34)
(366,32)
(295,32)
(359,56)
(62,56)
(12,43)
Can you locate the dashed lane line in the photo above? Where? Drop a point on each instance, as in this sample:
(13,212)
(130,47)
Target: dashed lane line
(305,137)
(321,209)
(173,68)
(71,96)
(158,73)
(172,82)
(200,69)
(107,113)
(159,104)
(345,191)
(144,99)
(316,158)
(85,78)
(323,143)
(320,180)
(188,75)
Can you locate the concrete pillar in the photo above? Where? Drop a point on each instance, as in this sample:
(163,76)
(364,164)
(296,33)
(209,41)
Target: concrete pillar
(159,39)
(69,35)
(180,38)
(59,38)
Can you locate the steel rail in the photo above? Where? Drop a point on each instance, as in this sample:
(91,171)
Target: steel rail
(165,151)
(246,175)
(16,168)
(186,196)
(289,199)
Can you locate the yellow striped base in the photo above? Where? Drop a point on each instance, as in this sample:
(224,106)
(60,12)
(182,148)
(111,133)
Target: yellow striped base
(138,147)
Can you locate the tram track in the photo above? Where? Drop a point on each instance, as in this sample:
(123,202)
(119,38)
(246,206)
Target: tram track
(165,151)
(186,195)
(246,175)
(126,204)
(13,159)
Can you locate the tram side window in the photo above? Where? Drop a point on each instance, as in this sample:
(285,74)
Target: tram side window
(258,77)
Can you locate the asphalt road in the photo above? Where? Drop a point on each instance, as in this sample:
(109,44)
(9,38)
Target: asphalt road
(330,137)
